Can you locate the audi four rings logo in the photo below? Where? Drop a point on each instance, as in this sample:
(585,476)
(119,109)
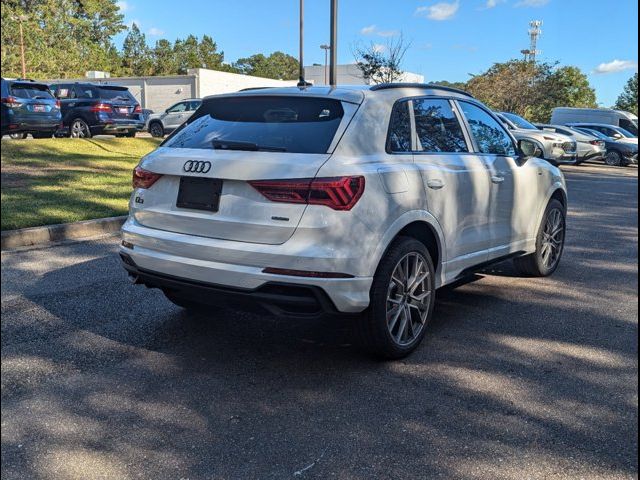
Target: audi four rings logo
(196,166)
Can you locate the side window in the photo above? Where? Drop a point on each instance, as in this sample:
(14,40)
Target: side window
(193,106)
(63,91)
(399,139)
(437,127)
(628,125)
(490,136)
(178,107)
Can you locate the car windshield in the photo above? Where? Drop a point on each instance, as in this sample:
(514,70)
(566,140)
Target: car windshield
(520,122)
(268,123)
(593,133)
(36,92)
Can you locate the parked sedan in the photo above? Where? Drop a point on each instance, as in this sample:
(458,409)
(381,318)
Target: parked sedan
(589,147)
(557,149)
(611,131)
(618,153)
(28,107)
(159,124)
(98,109)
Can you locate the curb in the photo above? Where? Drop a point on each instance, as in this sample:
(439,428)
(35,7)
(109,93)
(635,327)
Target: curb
(64,231)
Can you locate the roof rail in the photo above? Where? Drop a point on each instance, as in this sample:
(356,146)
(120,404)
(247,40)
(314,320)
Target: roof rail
(386,86)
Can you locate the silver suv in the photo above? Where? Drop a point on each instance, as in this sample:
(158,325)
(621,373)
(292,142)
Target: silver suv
(160,124)
(360,200)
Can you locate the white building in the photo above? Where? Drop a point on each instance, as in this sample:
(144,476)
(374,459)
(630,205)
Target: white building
(349,74)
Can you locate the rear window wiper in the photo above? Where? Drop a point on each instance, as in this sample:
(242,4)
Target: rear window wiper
(244,146)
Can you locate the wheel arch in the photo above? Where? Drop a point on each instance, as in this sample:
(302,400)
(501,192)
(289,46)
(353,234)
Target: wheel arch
(423,227)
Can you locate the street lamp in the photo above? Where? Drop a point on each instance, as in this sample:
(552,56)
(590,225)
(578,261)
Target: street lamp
(333,71)
(326,49)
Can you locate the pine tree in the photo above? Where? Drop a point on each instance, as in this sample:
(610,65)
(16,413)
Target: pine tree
(628,99)
(136,57)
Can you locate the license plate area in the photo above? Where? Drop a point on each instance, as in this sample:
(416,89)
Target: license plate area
(199,193)
(123,110)
(39,108)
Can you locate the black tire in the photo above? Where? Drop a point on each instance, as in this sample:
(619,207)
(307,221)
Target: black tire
(614,159)
(536,264)
(156,129)
(130,134)
(79,129)
(374,328)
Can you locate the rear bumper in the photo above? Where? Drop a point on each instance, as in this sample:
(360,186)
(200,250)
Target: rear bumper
(119,127)
(226,266)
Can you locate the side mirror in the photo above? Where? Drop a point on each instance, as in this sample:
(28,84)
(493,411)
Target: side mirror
(529,149)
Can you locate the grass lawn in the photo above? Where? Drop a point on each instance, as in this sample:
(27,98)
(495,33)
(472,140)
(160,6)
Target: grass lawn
(63,180)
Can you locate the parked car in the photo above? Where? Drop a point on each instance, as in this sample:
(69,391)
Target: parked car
(360,200)
(606,116)
(589,147)
(618,153)
(556,148)
(28,107)
(98,109)
(160,124)
(611,131)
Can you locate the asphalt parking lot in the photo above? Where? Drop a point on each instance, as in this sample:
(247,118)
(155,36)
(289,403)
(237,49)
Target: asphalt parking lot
(516,379)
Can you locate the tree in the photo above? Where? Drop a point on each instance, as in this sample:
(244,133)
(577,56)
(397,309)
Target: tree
(532,90)
(278,65)
(208,54)
(381,63)
(164,62)
(444,83)
(628,99)
(136,56)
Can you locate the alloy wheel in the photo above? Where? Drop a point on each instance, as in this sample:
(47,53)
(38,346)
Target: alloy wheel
(613,159)
(79,129)
(553,238)
(409,298)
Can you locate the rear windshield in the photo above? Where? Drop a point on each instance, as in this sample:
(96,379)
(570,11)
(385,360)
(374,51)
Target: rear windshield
(106,93)
(269,123)
(26,90)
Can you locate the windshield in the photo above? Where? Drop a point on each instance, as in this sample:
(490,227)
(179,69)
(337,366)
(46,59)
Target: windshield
(254,123)
(520,122)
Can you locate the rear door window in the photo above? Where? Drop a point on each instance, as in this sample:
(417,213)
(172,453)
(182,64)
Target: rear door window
(490,136)
(268,123)
(437,127)
(399,137)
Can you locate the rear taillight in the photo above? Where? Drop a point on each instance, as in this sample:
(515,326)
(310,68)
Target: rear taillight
(340,193)
(598,143)
(144,178)
(138,109)
(100,107)
(11,102)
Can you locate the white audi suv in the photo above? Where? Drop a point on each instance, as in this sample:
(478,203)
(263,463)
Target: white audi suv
(357,200)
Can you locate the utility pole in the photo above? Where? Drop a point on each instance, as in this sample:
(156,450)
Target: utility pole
(333,68)
(534,33)
(326,49)
(21,18)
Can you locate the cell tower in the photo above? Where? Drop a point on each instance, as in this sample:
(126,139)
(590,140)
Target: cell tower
(534,32)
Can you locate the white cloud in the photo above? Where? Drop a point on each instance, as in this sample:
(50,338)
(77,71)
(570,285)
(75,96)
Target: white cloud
(123,6)
(378,47)
(493,3)
(532,3)
(615,66)
(155,32)
(439,11)
(368,30)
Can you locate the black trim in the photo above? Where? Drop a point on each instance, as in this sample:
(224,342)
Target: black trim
(277,298)
(484,265)
(430,86)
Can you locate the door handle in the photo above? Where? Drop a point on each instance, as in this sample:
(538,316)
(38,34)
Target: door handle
(435,184)
(497,179)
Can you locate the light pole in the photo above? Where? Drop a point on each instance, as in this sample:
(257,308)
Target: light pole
(301,81)
(326,49)
(333,74)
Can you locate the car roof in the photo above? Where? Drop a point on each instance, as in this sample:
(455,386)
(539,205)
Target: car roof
(353,93)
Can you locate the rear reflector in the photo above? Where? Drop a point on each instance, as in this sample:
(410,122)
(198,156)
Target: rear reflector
(340,193)
(144,178)
(303,273)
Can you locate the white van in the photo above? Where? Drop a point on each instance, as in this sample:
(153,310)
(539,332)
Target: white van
(608,116)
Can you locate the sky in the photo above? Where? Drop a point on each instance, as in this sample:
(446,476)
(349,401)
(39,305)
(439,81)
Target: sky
(449,39)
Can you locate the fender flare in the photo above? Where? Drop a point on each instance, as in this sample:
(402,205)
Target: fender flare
(401,222)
